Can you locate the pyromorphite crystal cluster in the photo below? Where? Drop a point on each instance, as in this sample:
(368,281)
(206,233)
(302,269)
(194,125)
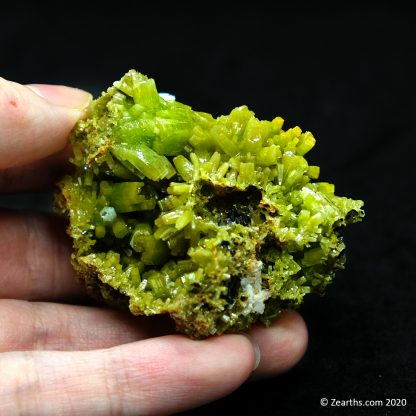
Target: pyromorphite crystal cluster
(219,222)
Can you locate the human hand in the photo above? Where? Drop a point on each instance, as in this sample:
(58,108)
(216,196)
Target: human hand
(62,358)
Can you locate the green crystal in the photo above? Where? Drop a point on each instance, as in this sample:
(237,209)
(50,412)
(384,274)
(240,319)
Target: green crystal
(218,222)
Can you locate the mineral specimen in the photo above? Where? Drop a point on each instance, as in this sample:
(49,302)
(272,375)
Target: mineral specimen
(218,222)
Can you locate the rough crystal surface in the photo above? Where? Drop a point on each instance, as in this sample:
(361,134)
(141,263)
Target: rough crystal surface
(219,222)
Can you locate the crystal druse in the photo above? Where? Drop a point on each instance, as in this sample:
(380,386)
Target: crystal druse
(218,222)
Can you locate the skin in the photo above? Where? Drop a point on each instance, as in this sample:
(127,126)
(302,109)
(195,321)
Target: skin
(59,353)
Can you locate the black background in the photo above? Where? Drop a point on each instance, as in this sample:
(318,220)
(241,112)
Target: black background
(344,71)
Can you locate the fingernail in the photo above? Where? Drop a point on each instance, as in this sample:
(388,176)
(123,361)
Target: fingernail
(63,96)
(256,349)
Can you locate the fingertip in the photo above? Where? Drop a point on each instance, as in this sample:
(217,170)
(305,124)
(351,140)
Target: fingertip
(239,350)
(256,349)
(62,96)
(35,121)
(227,361)
(180,373)
(282,345)
(162,375)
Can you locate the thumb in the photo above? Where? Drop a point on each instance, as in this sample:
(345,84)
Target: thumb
(35,120)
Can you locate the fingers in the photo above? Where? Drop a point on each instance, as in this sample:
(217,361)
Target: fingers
(35,121)
(35,258)
(281,345)
(41,175)
(157,376)
(51,326)
(127,380)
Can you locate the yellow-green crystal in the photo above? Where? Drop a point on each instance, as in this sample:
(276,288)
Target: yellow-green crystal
(219,222)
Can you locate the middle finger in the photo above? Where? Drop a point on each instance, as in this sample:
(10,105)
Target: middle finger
(35,258)
(51,326)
